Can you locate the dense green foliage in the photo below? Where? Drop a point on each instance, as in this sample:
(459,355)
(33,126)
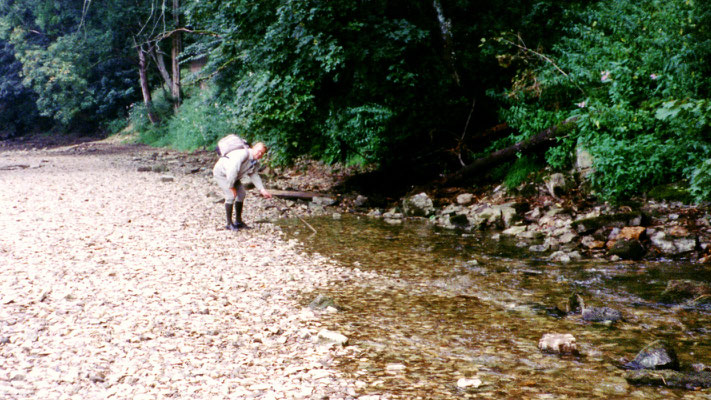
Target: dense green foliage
(73,59)
(391,83)
(17,102)
(637,74)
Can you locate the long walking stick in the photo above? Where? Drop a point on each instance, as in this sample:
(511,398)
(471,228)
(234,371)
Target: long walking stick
(299,217)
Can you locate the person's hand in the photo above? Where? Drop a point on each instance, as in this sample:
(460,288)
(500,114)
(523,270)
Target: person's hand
(265,194)
(234,192)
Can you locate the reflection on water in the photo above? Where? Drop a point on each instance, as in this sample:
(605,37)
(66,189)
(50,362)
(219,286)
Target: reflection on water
(450,306)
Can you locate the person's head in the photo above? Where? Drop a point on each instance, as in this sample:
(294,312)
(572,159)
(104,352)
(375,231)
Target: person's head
(258,150)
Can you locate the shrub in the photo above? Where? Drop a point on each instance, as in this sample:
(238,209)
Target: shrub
(701,182)
(636,75)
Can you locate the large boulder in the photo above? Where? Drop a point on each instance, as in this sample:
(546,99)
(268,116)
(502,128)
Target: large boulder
(419,205)
(556,184)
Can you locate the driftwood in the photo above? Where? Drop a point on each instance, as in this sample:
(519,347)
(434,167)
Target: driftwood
(539,142)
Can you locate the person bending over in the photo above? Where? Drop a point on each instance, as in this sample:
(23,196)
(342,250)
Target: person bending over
(228,171)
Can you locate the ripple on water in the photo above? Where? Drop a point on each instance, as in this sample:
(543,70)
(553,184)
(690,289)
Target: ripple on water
(448,306)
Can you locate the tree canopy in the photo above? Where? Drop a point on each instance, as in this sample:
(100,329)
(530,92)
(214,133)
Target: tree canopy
(425,86)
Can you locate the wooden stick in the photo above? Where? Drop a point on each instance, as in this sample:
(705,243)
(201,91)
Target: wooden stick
(297,216)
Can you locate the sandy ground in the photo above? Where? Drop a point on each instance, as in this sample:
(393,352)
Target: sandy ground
(117,283)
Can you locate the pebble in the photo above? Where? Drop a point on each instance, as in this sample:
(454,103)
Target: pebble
(161,305)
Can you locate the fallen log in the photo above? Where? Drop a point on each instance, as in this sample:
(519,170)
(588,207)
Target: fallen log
(295,195)
(539,142)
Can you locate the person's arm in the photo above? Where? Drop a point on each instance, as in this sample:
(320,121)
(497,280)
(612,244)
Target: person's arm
(257,180)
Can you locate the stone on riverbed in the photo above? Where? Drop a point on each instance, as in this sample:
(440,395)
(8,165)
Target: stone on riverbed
(656,355)
(684,289)
(558,343)
(322,302)
(669,378)
(601,314)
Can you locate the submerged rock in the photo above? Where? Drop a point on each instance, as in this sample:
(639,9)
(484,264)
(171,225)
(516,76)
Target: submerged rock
(322,302)
(601,314)
(656,355)
(669,378)
(684,289)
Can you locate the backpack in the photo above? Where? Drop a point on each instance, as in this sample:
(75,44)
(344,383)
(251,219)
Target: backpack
(230,143)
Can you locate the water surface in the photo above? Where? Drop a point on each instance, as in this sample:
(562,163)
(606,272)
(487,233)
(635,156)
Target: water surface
(451,306)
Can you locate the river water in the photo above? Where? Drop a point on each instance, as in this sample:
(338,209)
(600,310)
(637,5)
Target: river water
(448,306)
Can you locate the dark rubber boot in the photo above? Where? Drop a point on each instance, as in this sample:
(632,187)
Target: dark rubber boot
(228,212)
(238,216)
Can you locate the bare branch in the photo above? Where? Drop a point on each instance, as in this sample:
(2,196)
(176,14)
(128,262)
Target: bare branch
(544,57)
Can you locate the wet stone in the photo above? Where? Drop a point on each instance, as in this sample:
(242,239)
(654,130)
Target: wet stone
(669,378)
(322,302)
(601,314)
(558,343)
(656,355)
(629,249)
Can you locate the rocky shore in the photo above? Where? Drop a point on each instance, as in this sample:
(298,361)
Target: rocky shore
(119,282)
(564,228)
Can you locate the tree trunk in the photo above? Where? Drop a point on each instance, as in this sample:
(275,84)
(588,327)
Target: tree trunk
(177,41)
(541,141)
(445,26)
(157,55)
(145,90)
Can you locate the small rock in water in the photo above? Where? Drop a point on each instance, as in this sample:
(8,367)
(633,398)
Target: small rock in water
(656,355)
(699,367)
(468,383)
(669,378)
(558,343)
(322,302)
(683,289)
(601,314)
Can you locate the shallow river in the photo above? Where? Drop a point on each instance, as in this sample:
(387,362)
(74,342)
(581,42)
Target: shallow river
(450,306)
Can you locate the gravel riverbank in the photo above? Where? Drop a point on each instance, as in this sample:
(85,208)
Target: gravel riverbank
(118,283)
